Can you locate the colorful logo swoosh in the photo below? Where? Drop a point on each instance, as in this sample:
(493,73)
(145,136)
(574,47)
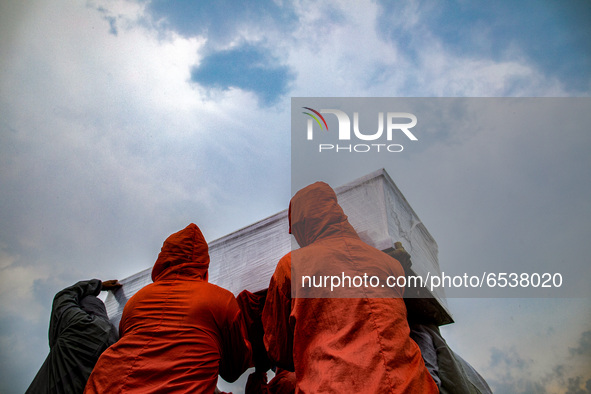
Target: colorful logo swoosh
(315,118)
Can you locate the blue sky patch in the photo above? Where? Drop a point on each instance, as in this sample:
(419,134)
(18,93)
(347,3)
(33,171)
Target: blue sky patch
(542,31)
(222,20)
(248,68)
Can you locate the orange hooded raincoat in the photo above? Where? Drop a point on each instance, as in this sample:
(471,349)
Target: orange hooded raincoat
(178,333)
(359,344)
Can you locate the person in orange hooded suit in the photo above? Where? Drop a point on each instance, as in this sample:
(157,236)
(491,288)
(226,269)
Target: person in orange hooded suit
(354,340)
(178,333)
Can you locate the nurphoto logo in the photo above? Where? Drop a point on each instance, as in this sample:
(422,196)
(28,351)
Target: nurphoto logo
(397,123)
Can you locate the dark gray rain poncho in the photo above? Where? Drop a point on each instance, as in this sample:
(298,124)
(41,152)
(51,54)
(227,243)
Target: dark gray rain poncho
(79,331)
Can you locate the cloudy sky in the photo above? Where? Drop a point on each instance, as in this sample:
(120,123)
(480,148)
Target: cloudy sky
(123,121)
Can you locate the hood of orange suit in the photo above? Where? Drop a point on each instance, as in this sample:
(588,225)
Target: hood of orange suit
(314,214)
(186,250)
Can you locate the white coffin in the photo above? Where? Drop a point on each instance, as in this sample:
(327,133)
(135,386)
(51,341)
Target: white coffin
(246,259)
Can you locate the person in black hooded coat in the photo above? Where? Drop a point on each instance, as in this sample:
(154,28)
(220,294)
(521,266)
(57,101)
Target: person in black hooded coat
(79,331)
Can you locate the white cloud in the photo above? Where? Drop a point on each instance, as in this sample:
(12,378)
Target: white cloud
(70,58)
(518,344)
(339,55)
(16,288)
(114,140)
(350,54)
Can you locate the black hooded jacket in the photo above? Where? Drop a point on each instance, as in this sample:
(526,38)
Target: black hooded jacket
(79,331)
